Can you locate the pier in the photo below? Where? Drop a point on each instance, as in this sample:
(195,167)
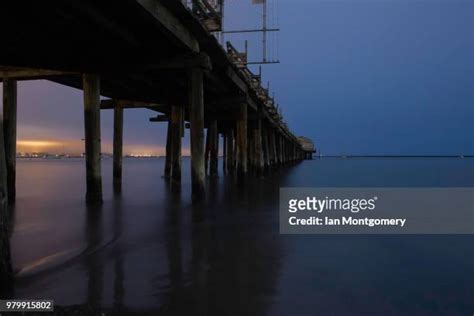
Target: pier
(159,55)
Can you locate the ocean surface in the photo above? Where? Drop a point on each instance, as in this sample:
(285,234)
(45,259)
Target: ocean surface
(149,251)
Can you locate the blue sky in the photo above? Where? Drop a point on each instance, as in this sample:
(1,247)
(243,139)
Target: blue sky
(357,76)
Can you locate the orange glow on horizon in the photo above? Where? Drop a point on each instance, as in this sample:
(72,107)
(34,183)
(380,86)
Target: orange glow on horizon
(77,147)
(38,143)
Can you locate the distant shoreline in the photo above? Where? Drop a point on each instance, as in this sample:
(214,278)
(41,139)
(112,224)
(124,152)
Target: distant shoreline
(396,156)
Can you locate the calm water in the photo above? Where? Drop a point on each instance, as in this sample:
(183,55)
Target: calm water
(150,251)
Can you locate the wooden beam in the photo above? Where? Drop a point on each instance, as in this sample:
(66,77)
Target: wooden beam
(258,148)
(109,104)
(20,73)
(9,127)
(91,87)
(170,24)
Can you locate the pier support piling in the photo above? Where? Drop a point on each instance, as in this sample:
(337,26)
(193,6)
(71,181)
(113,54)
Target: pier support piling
(91,87)
(6,274)
(196,115)
(242,140)
(167,171)
(118,149)
(214,150)
(224,153)
(230,151)
(273,159)
(265,148)
(176,134)
(9,129)
(207,150)
(258,148)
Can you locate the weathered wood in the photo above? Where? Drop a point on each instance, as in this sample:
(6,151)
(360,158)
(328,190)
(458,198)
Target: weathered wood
(242,140)
(9,127)
(129,104)
(230,150)
(118,149)
(19,73)
(196,116)
(176,122)
(265,147)
(282,150)
(224,153)
(214,150)
(6,274)
(250,146)
(91,87)
(207,150)
(167,172)
(275,149)
(258,149)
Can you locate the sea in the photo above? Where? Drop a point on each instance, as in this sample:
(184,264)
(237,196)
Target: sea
(149,251)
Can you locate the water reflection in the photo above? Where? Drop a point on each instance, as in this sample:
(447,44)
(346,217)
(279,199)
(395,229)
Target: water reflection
(93,260)
(150,250)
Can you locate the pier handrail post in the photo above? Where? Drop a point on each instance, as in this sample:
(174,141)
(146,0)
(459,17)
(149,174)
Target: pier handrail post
(91,88)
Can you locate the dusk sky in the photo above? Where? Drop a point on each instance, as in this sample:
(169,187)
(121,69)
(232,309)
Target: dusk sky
(356,76)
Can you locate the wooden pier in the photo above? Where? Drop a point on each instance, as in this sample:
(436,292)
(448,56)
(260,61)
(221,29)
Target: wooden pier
(155,54)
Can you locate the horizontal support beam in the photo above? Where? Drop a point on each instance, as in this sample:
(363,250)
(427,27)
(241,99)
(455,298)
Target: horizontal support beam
(127,104)
(19,73)
(160,118)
